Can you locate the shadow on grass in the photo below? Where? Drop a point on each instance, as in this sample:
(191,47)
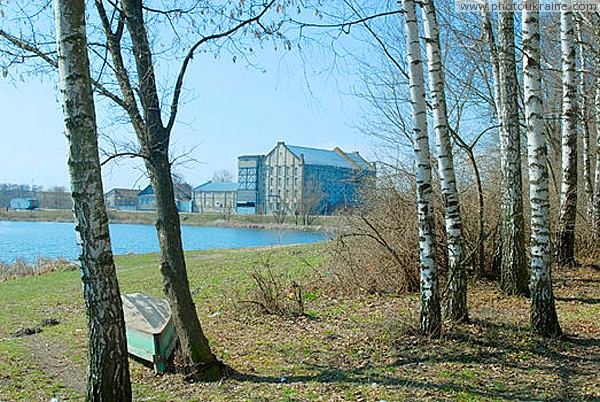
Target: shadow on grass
(517,358)
(586,300)
(365,376)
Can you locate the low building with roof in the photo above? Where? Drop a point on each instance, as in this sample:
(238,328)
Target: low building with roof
(146,199)
(215,197)
(121,198)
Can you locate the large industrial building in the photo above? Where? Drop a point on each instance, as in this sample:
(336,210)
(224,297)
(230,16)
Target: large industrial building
(300,180)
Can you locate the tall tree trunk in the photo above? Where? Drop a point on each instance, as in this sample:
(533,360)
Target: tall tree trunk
(108,367)
(456,298)
(154,139)
(430,317)
(544,320)
(513,271)
(488,33)
(583,125)
(596,198)
(565,249)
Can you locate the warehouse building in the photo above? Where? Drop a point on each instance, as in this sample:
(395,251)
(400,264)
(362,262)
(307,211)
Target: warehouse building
(300,180)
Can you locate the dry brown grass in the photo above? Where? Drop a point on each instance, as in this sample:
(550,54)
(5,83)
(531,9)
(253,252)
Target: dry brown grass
(21,268)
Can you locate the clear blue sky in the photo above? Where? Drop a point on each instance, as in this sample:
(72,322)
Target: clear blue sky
(230,110)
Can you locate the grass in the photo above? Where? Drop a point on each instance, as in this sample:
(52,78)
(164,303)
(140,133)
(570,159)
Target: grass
(363,348)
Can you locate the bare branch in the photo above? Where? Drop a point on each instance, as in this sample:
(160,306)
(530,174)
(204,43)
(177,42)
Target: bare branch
(121,154)
(190,56)
(46,57)
(345,26)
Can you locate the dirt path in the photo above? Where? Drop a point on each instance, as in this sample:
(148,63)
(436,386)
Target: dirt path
(51,358)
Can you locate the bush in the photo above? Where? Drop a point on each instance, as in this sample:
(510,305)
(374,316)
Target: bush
(377,248)
(276,293)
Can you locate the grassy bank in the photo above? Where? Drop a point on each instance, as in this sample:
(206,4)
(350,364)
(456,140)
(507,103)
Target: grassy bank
(149,218)
(342,348)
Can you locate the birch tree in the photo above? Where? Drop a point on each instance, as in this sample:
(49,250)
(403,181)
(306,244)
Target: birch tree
(584,129)
(456,298)
(513,270)
(544,320)
(430,316)
(596,197)
(489,37)
(565,249)
(108,367)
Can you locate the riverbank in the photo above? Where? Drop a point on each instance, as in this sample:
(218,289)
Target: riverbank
(322,223)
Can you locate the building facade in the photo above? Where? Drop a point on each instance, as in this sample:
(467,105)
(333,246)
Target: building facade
(146,199)
(250,193)
(215,197)
(122,198)
(302,181)
(55,199)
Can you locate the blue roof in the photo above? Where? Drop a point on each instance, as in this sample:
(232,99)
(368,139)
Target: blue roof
(323,157)
(314,156)
(217,187)
(360,161)
(180,190)
(147,191)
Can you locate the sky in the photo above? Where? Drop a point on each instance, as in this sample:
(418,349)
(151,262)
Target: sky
(229,109)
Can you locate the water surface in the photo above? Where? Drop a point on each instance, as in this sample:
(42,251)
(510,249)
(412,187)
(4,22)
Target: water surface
(30,240)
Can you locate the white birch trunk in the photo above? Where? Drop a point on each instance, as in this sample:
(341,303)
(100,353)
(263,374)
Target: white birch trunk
(596,198)
(544,320)
(456,299)
(568,200)
(108,367)
(513,270)
(583,126)
(488,33)
(430,317)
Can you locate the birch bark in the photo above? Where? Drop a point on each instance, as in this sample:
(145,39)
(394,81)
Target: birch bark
(596,198)
(583,124)
(544,320)
(488,33)
(456,298)
(430,316)
(565,249)
(513,270)
(108,367)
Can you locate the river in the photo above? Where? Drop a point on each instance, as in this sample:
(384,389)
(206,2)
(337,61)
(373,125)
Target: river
(30,240)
